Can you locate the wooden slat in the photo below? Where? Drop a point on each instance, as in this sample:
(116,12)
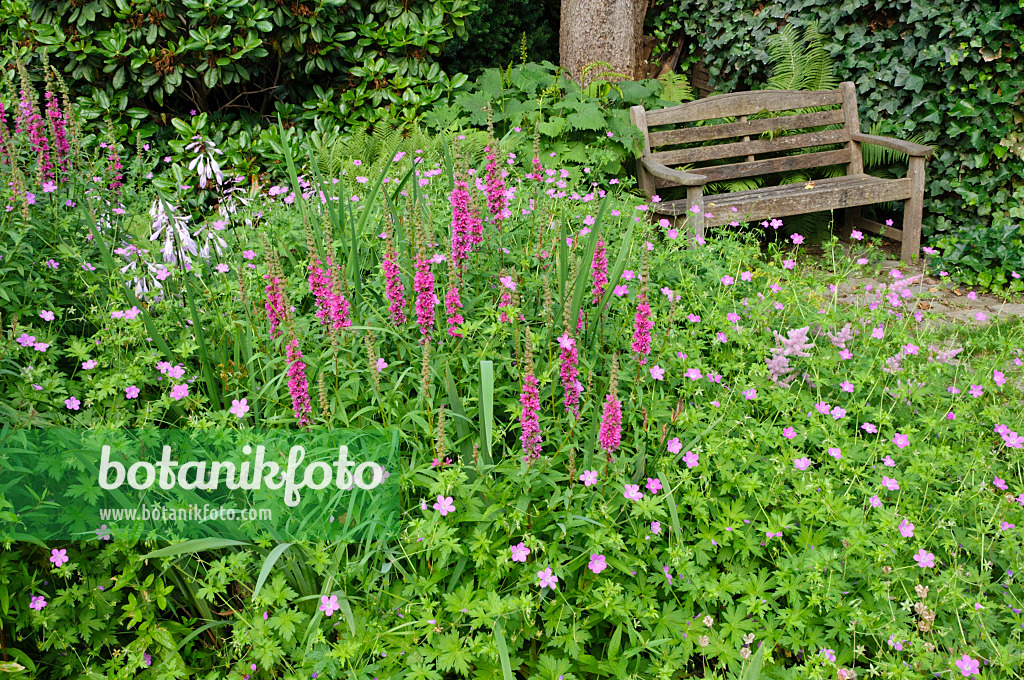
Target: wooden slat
(751,127)
(878,228)
(743,104)
(796,199)
(718,173)
(753,147)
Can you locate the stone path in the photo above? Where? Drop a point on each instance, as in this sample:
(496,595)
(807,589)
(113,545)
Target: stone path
(951,303)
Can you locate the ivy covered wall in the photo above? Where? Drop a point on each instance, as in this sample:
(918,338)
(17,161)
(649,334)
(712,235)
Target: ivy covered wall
(952,72)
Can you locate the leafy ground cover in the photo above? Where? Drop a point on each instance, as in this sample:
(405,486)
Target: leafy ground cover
(623,456)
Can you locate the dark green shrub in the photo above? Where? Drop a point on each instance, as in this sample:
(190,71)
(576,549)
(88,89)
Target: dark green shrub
(144,61)
(502,32)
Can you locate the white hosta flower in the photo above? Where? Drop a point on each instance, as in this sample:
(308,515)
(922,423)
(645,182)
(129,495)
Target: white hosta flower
(173,229)
(205,163)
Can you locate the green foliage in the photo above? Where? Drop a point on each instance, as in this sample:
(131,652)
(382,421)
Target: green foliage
(142,62)
(799,62)
(588,126)
(720,453)
(950,72)
(990,256)
(501,32)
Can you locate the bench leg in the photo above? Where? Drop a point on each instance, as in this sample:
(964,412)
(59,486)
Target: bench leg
(695,197)
(851,216)
(912,211)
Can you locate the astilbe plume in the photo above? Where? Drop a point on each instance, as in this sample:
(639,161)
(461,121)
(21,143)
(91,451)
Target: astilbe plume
(794,344)
(570,374)
(529,421)
(453,304)
(494,187)
(609,435)
(599,271)
(394,291)
(423,285)
(298,386)
(642,328)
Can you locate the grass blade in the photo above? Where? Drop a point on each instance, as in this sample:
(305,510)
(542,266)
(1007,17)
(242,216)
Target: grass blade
(506,665)
(486,409)
(194,546)
(268,565)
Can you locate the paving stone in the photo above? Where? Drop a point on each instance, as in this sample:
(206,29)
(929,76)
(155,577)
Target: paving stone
(1011,309)
(968,316)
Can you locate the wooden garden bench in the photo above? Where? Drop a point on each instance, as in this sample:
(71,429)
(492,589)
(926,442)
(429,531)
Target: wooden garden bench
(738,151)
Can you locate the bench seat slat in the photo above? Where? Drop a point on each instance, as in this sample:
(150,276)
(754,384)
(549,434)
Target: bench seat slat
(794,199)
(708,133)
(718,173)
(753,147)
(743,104)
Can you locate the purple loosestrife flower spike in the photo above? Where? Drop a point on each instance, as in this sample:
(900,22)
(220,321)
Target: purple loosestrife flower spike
(394,290)
(497,202)
(570,374)
(467,228)
(298,386)
(453,304)
(599,271)
(609,435)
(529,397)
(642,328)
(423,285)
(274,305)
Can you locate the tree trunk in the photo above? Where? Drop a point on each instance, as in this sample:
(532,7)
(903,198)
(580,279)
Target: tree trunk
(609,31)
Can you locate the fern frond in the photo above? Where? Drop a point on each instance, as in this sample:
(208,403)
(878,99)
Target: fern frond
(676,87)
(784,59)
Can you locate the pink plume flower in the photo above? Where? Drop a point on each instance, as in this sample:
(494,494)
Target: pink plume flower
(599,270)
(570,374)
(609,435)
(394,291)
(423,284)
(298,386)
(275,306)
(529,420)
(452,305)
(642,328)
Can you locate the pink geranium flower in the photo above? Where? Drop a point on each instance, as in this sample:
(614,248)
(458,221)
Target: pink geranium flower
(519,552)
(444,505)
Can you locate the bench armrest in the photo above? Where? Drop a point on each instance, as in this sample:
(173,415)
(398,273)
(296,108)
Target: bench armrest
(908,148)
(685,179)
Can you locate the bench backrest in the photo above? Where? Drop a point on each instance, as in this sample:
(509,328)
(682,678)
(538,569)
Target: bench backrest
(667,140)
